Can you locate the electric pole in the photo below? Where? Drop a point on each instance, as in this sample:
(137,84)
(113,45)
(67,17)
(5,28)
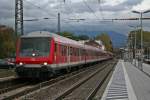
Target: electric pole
(19,17)
(58,23)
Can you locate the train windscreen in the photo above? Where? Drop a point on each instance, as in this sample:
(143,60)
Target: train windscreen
(35,46)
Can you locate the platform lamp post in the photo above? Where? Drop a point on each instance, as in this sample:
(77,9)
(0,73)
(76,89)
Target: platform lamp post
(130,48)
(148,53)
(135,33)
(141,24)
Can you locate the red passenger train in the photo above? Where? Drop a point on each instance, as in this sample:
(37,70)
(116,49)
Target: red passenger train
(43,54)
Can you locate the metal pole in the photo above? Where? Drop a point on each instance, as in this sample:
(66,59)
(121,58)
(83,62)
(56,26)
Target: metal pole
(129,49)
(148,53)
(141,62)
(131,46)
(58,23)
(21,8)
(19,17)
(135,46)
(141,32)
(16,9)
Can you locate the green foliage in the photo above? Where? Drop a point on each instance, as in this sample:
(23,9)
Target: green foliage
(7,41)
(68,35)
(146,38)
(104,37)
(73,36)
(83,37)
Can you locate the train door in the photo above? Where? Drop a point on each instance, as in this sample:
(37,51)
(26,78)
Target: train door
(79,54)
(85,55)
(68,54)
(56,53)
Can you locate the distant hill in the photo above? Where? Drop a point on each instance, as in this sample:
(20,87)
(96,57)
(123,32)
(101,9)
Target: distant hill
(118,39)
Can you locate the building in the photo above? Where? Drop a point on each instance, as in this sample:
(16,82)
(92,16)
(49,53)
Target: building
(94,43)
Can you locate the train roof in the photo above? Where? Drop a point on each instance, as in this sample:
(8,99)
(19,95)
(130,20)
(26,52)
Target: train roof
(59,39)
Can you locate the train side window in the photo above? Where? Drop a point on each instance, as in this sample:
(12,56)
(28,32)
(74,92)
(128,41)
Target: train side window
(62,50)
(65,51)
(71,51)
(75,51)
(78,52)
(82,52)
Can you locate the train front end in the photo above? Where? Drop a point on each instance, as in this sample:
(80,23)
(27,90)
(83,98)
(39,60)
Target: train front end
(34,55)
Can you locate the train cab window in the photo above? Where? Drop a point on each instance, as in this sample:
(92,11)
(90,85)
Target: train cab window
(36,46)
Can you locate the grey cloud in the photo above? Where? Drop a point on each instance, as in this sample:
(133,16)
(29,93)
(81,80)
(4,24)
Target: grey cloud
(68,10)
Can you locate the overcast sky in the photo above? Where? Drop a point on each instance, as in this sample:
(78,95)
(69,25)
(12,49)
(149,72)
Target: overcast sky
(93,11)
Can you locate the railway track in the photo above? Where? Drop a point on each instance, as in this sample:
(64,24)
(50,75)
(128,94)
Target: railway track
(7,89)
(13,85)
(87,88)
(5,82)
(10,84)
(21,90)
(62,88)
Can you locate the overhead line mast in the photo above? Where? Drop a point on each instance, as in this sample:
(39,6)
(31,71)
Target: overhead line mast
(19,17)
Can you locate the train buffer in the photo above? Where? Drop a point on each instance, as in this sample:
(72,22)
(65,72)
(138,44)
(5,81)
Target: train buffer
(128,82)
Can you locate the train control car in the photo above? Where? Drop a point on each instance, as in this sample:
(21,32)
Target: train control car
(43,54)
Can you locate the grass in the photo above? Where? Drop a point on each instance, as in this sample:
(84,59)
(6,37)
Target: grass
(7,72)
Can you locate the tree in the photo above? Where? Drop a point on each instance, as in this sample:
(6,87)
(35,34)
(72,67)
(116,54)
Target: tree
(7,41)
(83,37)
(73,36)
(104,37)
(146,40)
(68,35)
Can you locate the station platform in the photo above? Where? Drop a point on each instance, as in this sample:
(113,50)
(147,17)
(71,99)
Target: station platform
(128,83)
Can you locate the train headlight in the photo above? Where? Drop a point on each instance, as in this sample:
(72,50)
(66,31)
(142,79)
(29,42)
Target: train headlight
(45,63)
(33,54)
(21,63)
